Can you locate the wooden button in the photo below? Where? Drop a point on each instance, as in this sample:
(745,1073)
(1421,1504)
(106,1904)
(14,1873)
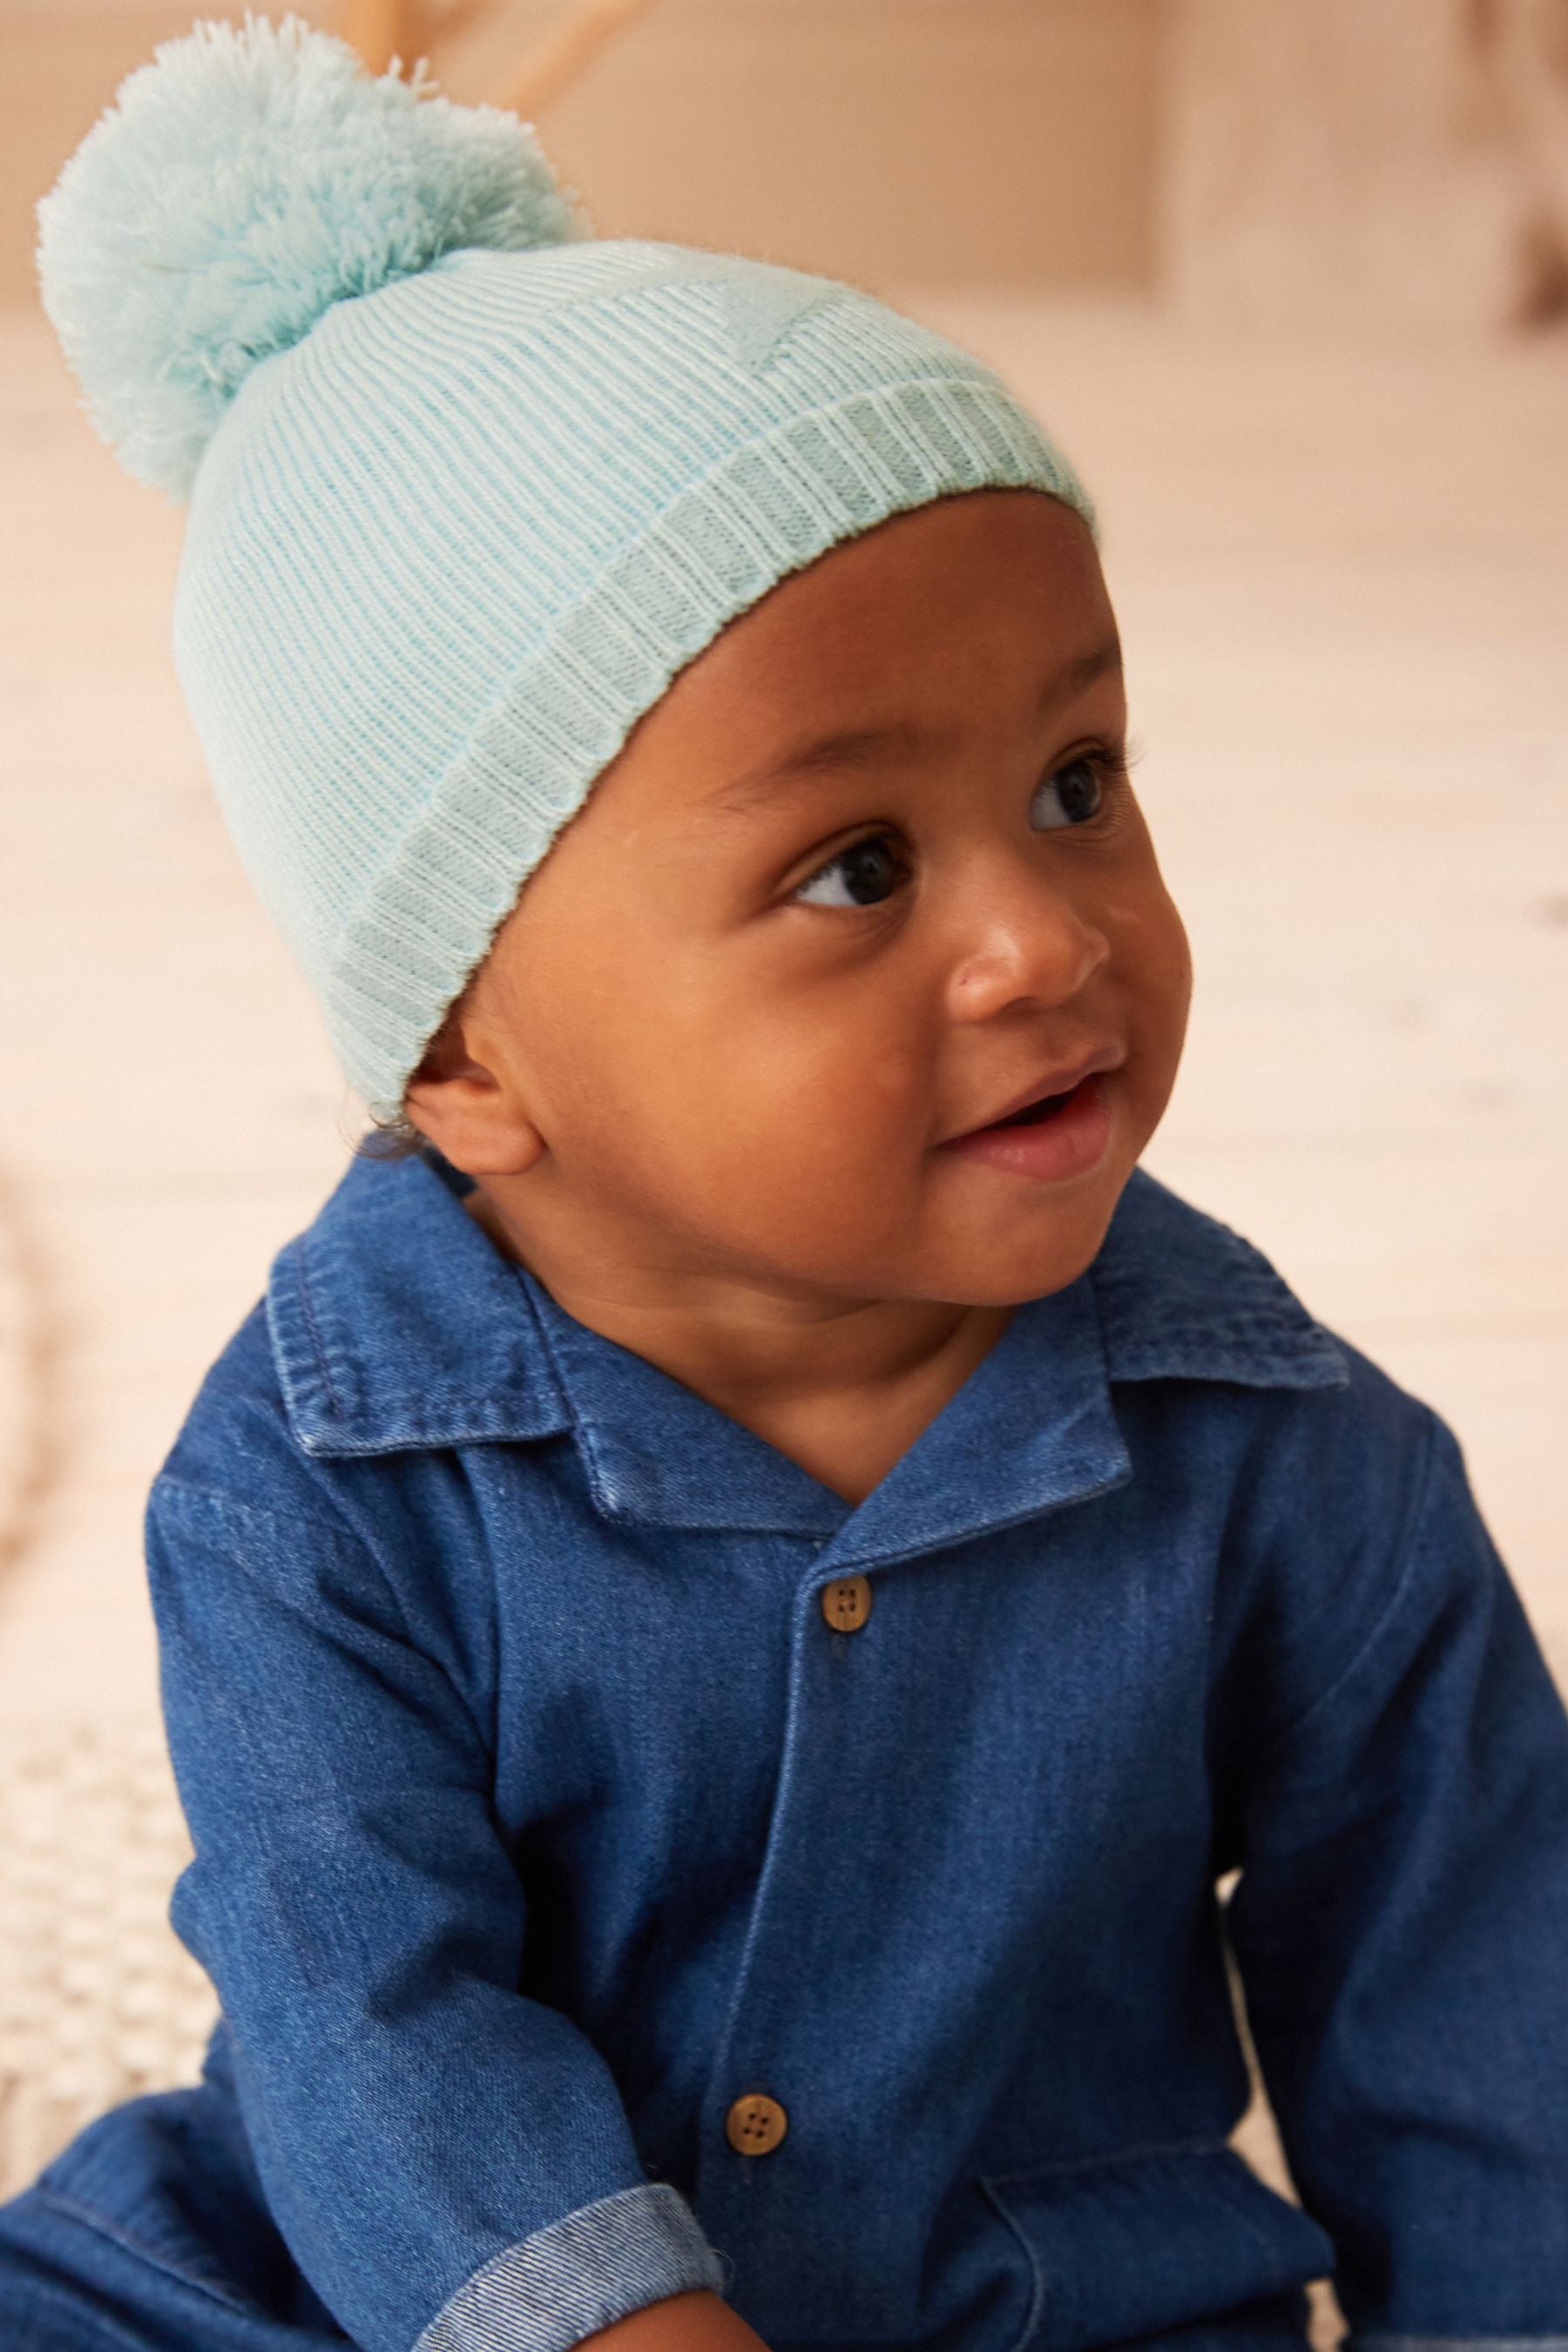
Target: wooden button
(755,2124)
(848,1603)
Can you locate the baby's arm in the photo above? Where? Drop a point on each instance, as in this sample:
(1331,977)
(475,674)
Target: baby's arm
(1402,1918)
(681,2322)
(440,2152)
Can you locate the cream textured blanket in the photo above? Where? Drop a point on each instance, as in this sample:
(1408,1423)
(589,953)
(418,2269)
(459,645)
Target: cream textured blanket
(99,2002)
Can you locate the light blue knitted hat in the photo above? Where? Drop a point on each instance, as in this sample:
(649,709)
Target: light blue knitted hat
(467,485)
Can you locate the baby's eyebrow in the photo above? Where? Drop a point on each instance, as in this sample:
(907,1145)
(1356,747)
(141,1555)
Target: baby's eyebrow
(859,746)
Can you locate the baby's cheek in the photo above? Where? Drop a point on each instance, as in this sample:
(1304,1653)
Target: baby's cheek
(1148,942)
(1153,968)
(1178,974)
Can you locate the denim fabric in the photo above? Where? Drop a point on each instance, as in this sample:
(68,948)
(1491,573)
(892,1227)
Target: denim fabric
(541,1813)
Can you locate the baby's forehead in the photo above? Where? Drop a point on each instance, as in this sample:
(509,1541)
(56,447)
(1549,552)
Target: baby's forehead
(801,761)
(950,603)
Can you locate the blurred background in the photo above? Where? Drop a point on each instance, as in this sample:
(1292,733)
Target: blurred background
(1290,284)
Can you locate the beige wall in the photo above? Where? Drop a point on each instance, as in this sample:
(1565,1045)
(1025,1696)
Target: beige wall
(1336,166)
(1009,142)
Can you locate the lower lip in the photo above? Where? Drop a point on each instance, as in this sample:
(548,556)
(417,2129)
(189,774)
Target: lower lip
(1069,1143)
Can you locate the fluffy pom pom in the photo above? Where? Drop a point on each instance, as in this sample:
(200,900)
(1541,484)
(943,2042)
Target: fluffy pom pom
(238,185)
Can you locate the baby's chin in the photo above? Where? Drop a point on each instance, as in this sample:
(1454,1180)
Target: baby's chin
(997,1255)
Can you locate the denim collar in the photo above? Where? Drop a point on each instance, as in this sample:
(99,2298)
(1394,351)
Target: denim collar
(395,1323)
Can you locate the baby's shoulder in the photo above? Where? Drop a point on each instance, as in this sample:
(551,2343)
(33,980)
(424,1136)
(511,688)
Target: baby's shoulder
(237,1441)
(1212,1351)
(331,1440)
(1320,1489)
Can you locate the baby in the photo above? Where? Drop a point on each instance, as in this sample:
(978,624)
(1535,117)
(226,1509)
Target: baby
(724,1620)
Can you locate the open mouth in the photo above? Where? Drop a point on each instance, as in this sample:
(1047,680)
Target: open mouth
(1033,1113)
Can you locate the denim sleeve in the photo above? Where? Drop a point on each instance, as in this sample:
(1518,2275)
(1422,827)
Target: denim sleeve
(1401,1927)
(449,2162)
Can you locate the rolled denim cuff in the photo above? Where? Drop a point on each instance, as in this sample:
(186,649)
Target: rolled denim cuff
(583,2272)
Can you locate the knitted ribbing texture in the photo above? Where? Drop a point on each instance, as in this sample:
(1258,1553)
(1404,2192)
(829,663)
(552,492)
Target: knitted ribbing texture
(446,549)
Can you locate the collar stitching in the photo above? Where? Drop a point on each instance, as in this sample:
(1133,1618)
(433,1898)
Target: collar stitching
(307,1302)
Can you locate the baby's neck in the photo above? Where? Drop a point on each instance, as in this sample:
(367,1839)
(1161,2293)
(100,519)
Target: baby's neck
(850,1444)
(846,1437)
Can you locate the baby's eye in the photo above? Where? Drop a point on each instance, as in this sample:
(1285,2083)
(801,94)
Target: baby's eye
(865,863)
(1078,792)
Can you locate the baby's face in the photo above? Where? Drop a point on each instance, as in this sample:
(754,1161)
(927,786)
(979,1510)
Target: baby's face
(750,995)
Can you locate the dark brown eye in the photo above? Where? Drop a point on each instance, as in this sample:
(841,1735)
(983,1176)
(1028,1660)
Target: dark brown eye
(1077,794)
(866,865)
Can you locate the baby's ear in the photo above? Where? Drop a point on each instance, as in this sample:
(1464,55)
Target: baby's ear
(468,1111)
(447,1053)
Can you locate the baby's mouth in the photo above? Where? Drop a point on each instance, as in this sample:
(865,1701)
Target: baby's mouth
(1033,1113)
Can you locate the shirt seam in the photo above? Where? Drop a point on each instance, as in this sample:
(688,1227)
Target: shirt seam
(175,1483)
(103,2226)
(170,1484)
(1146,2155)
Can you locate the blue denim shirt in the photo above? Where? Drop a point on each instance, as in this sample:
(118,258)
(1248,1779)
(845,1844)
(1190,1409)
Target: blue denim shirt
(551,1814)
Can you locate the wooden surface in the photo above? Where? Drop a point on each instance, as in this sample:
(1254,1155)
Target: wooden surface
(1341,584)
